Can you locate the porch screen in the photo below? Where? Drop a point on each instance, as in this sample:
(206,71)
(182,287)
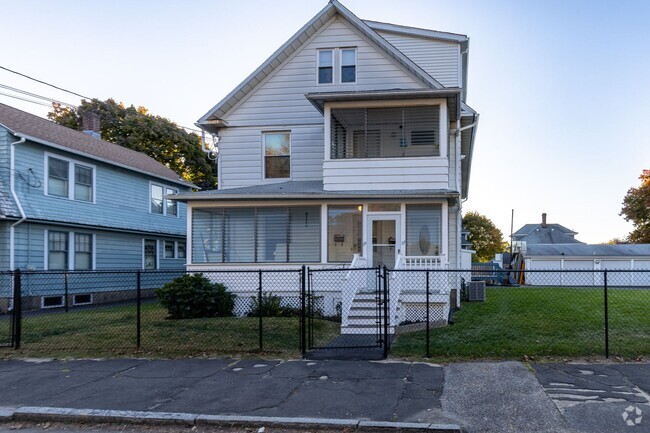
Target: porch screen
(385,132)
(343,233)
(256,235)
(423,229)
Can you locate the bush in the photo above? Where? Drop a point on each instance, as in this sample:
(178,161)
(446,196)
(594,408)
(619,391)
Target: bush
(271,307)
(194,296)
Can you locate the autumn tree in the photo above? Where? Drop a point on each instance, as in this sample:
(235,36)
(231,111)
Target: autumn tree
(636,208)
(155,136)
(486,238)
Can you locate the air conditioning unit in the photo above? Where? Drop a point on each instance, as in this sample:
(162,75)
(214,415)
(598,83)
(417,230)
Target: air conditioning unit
(476,290)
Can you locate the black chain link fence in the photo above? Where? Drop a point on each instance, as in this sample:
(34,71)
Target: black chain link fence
(420,313)
(527,314)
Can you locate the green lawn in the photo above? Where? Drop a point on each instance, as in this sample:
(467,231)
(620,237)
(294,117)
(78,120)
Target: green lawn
(539,322)
(111,331)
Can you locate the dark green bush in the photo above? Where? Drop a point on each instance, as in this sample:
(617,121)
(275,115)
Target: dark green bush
(271,307)
(194,296)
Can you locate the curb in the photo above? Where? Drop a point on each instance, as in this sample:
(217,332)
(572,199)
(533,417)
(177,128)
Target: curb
(56,414)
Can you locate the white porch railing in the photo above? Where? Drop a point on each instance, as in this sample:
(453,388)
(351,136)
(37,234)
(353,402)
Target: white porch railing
(400,280)
(349,288)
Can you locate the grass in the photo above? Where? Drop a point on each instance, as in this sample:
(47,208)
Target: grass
(111,331)
(539,322)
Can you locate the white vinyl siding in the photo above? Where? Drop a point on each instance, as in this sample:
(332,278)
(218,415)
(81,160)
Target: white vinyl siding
(287,86)
(439,59)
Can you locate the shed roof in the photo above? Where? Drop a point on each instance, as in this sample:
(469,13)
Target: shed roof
(584,250)
(48,133)
(307,190)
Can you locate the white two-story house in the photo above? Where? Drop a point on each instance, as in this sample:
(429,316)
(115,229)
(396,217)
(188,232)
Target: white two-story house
(353,141)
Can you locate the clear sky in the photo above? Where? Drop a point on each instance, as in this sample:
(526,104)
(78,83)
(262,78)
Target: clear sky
(562,86)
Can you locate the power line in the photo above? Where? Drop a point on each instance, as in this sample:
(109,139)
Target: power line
(43,82)
(25,99)
(35,95)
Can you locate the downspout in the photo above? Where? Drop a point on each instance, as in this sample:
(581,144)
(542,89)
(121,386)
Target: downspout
(23,217)
(471,125)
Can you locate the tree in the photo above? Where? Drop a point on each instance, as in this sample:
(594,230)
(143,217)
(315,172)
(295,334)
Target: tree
(157,137)
(486,238)
(636,208)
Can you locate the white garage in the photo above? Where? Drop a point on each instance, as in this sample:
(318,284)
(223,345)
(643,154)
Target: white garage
(584,264)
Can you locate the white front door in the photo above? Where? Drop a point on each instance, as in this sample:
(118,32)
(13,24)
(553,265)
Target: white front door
(384,239)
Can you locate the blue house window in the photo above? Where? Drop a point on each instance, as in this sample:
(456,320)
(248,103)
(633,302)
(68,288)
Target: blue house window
(161,205)
(57,257)
(60,172)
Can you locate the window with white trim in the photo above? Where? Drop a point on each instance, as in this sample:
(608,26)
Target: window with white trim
(181,250)
(170,250)
(161,205)
(325,66)
(83,251)
(150,254)
(277,155)
(349,65)
(61,171)
(57,251)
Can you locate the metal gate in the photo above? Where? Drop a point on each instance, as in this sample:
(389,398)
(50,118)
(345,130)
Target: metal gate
(345,313)
(8,316)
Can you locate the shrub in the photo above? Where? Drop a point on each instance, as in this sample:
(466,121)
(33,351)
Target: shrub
(194,296)
(271,307)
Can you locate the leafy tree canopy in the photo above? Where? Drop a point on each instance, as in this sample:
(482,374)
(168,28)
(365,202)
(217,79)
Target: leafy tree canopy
(155,136)
(486,238)
(636,208)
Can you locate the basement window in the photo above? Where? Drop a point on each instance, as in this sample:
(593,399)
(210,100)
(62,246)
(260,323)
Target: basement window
(83,299)
(51,301)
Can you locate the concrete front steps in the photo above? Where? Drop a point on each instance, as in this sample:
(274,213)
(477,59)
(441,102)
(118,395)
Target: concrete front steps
(364,316)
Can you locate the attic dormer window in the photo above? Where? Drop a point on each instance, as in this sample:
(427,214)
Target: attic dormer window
(325,66)
(348,65)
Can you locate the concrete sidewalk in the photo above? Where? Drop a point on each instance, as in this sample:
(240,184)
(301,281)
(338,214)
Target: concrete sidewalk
(358,395)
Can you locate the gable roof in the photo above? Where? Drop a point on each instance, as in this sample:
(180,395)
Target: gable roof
(48,133)
(534,234)
(216,113)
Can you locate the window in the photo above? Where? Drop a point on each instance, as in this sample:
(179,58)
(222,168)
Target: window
(423,230)
(57,181)
(348,65)
(343,233)
(277,155)
(59,173)
(170,250)
(150,254)
(325,66)
(256,235)
(83,299)
(181,250)
(57,257)
(52,301)
(83,251)
(161,205)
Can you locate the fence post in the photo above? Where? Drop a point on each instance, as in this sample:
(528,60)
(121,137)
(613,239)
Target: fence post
(138,320)
(303,333)
(606,318)
(428,318)
(65,285)
(18,309)
(386,318)
(259,307)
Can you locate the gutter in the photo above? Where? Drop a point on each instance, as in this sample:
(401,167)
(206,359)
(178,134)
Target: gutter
(471,149)
(23,217)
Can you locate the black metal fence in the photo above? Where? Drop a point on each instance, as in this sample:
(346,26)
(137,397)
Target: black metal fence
(551,313)
(412,312)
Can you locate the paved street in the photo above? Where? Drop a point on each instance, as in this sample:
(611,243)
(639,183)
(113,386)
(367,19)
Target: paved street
(477,397)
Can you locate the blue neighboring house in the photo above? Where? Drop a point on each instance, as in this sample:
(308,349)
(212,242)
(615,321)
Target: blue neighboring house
(71,201)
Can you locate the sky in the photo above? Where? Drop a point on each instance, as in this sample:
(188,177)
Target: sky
(561,86)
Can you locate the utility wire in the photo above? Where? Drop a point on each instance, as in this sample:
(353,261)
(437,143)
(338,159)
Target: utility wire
(34,95)
(25,99)
(43,82)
